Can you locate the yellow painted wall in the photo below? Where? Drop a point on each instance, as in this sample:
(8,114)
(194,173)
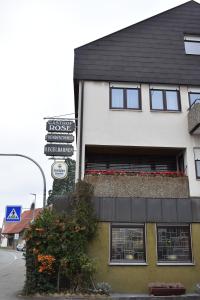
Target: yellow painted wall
(136,278)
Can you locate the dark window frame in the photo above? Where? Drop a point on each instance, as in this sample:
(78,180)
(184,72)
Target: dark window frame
(192,42)
(190,244)
(192,93)
(112,225)
(125,99)
(164,99)
(197,176)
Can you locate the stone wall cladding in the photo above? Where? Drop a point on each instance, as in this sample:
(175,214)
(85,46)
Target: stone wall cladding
(139,186)
(194,117)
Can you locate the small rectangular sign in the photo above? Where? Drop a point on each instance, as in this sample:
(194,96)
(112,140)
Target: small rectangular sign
(59,138)
(16,236)
(60,126)
(13,213)
(59,150)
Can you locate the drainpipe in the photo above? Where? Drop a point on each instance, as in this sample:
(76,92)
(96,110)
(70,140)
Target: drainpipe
(81,130)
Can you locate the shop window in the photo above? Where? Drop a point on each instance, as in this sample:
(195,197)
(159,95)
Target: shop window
(174,244)
(127,244)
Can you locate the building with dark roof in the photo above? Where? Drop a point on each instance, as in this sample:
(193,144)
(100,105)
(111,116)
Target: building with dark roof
(137,99)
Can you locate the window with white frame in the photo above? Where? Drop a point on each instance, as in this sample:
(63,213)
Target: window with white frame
(164,100)
(125,98)
(197,162)
(174,244)
(127,244)
(192,44)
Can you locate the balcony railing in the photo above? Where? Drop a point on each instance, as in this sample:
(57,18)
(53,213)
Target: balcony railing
(146,185)
(194,117)
(140,164)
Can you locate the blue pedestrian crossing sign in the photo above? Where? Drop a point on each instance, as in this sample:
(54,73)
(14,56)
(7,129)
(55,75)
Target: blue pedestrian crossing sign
(13,213)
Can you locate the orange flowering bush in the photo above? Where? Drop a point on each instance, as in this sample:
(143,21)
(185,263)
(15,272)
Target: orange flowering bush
(46,263)
(56,255)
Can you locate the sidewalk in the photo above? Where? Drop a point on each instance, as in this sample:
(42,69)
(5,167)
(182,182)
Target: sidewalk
(116,297)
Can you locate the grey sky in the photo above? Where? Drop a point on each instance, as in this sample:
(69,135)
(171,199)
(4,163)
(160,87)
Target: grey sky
(37,39)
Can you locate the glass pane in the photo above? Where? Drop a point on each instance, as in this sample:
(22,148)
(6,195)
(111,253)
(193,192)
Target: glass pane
(192,47)
(157,99)
(174,244)
(117,98)
(198,168)
(197,153)
(133,99)
(172,100)
(193,97)
(127,245)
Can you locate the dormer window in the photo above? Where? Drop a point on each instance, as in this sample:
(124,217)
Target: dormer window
(192,44)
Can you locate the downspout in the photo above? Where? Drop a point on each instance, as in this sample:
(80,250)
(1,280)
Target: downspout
(81,130)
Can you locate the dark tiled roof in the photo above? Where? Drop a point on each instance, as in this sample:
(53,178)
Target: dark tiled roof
(26,219)
(149,51)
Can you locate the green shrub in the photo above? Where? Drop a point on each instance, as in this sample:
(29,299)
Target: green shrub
(103,288)
(56,255)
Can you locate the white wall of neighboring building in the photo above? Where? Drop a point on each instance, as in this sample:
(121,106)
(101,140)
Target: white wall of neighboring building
(4,242)
(105,126)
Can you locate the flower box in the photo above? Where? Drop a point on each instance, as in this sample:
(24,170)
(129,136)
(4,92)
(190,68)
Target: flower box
(166,289)
(134,173)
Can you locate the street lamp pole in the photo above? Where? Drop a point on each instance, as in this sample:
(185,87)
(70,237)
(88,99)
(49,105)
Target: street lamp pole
(34,203)
(42,172)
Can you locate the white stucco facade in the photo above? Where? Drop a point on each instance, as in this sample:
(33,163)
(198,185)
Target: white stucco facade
(145,128)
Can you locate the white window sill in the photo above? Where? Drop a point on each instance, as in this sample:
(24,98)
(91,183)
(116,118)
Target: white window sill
(176,264)
(125,109)
(127,264)
(165,111)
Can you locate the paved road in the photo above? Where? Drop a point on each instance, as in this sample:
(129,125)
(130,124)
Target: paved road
(12,272)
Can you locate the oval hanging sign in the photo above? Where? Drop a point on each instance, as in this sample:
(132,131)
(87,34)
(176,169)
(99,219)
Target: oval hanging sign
(59,170)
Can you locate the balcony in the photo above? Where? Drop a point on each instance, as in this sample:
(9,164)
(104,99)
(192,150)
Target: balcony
(139,185)
(136,172)
(194,118)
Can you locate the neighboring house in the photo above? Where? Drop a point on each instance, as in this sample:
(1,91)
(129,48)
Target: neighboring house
(135,92)
(13,233)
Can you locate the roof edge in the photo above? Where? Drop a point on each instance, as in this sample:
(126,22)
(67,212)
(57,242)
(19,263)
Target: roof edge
(110,34)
